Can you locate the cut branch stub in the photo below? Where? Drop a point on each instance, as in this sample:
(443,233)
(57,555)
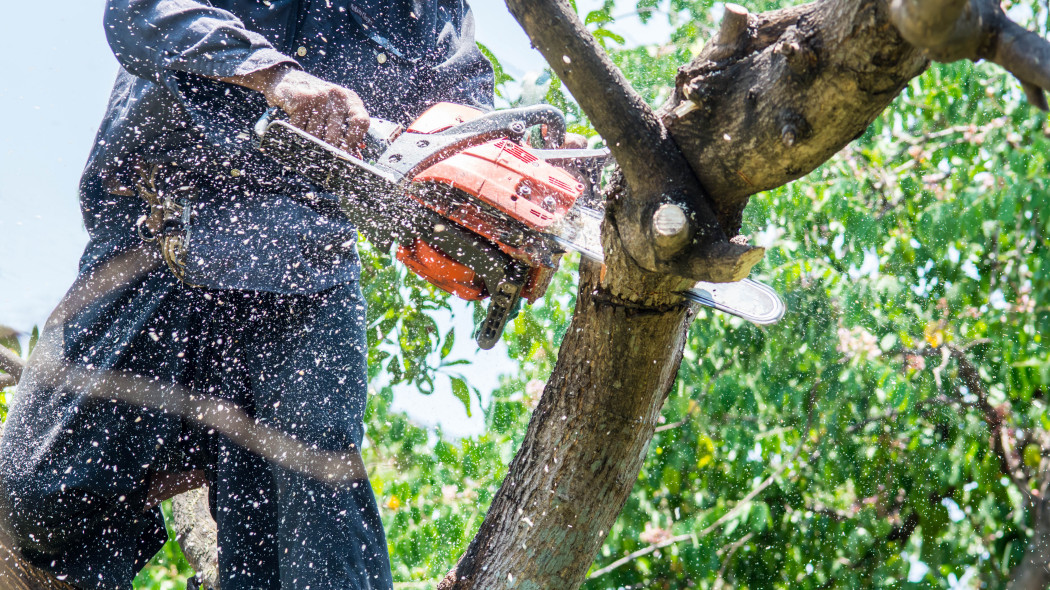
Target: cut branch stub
(671,229)
(651,163)
(732,33)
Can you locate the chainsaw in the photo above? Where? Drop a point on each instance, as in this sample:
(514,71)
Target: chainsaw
(474,210)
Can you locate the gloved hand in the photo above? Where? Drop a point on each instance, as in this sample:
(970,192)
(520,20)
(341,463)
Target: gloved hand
(325,110)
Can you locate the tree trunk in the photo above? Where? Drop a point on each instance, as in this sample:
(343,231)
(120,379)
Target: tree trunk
(197,535)
(584,447)
(587,439)
(1033,573)
(772,98)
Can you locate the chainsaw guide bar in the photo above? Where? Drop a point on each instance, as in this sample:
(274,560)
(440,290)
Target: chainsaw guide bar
(473,211)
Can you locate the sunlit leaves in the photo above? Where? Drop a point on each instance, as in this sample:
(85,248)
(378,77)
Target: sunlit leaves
(926,232)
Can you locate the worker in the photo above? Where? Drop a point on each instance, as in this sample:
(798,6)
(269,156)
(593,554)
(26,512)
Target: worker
(256,303)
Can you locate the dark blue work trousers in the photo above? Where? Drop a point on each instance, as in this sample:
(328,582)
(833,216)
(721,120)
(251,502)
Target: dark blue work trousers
(76,468)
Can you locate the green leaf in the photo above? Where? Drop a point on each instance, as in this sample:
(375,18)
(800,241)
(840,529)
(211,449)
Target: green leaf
(462,392)
(1032,456)
(450,339)
(501,77)
(646,9)
(605,34)
(599,17)
(33,338)
(759,517)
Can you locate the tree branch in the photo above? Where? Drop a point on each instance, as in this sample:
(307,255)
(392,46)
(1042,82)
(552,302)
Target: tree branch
(800,84)
(950,30)
(197,535)
(993,419)
(1008,465)
(732,549)
(663,188)
(11,363)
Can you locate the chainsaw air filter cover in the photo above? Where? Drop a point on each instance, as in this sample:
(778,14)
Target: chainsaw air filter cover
(498,190)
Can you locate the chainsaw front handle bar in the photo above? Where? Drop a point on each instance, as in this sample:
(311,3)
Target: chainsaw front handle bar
(382,135)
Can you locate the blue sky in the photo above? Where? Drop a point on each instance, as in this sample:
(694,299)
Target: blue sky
(55,76)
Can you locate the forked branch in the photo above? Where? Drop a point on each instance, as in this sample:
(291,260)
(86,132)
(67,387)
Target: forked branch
(662,185)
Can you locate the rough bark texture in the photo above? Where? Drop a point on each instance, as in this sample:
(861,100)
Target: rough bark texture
(584,447)
(196,533)
(586,441)
(648,158)
(795,89)
(774,97)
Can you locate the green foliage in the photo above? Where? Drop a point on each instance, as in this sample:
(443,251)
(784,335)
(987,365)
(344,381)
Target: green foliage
(500,76)
(168,569)
(429,488)
(9,340)
(926,232)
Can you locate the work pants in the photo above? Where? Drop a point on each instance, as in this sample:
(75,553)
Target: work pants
(75,466)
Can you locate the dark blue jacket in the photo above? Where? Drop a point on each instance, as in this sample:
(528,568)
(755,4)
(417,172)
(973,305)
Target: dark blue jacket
(400,56)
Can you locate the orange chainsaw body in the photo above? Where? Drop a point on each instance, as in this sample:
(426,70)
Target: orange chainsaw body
(502,192)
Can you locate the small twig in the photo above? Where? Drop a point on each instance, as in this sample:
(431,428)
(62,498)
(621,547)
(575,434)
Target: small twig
(1008,465)
(640,553)
(673,425)
(733,547)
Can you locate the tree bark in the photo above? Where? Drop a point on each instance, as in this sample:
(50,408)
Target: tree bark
(584,447)
(197,535)
(648,158)
(774,97)
(795,88)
